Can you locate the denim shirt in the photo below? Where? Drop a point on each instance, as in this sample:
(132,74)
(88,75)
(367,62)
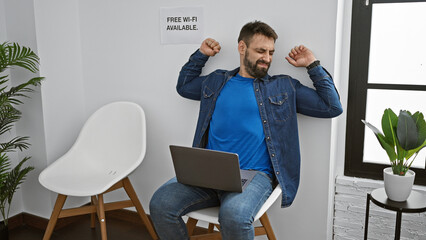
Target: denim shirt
(279,98)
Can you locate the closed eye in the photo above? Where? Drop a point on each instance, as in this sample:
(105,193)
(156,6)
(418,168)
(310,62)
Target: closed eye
(262,51)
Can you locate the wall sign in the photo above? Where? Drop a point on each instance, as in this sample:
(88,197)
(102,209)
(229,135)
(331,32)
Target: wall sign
(182,25)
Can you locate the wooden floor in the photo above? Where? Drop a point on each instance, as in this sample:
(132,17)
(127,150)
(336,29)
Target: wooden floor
(80,230)
(121,225)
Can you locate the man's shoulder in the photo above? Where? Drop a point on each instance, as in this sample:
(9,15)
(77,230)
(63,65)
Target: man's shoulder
(280,77)
(280,81)
(226,72)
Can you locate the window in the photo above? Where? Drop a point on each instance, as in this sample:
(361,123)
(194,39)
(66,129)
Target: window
(387,70)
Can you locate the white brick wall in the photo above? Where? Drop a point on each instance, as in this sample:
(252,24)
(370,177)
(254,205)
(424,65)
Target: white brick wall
(349,213)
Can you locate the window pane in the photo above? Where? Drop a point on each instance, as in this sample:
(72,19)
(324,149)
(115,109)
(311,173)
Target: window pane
(397,50)
(377,102)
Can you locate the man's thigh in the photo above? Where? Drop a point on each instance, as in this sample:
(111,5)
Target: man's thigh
(245,205)
(181,198)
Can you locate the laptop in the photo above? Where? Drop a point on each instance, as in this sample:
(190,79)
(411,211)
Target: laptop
(210,169)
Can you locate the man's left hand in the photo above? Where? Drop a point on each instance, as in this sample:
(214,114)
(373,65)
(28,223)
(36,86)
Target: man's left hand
(300,56)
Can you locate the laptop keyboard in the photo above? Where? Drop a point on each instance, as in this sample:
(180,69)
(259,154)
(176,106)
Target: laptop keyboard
(243,181)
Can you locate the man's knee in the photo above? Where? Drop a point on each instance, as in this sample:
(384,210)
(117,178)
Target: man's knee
(236,216)
(161,202)
(155,205)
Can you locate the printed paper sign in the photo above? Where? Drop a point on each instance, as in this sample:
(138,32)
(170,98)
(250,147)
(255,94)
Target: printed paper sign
(182,25)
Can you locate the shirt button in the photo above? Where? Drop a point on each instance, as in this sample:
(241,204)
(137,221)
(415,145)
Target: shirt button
(257,89)
(261,104)
(267,138)
(264,121)
(273,155)
(278,173)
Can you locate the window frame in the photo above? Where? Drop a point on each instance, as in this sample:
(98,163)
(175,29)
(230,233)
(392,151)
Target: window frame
(357,94)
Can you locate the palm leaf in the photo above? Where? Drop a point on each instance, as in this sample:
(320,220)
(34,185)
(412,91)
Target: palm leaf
(4,168)
(4,172)
(12,54)
(13,179)
(3,80)
(16,143)
(12,95)
(16,177)
(8,116)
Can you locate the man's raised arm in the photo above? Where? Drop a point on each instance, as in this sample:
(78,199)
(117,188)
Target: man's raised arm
(189,81)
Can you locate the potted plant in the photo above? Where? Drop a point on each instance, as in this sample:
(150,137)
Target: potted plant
(403,137)
(13,55)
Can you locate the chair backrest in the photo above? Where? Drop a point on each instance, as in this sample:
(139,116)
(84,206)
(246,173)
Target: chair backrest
(114,136)
(111,144)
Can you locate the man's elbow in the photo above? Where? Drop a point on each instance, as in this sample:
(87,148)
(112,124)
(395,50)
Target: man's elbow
(336,111)
(187,94)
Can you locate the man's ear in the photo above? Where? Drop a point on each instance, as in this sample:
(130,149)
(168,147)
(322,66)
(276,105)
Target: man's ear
(242,47)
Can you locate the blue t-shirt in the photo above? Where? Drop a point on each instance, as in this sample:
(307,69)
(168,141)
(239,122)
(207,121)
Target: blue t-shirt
(236,126)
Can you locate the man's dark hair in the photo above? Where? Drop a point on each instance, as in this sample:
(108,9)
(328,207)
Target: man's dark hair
(256,27)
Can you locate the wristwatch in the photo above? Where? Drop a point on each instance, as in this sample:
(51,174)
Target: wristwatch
(312,65)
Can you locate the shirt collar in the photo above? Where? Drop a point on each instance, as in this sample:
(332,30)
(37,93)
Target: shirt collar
(235,71)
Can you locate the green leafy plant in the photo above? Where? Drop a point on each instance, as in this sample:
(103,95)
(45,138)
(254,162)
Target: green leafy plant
(403,137)
(12,55)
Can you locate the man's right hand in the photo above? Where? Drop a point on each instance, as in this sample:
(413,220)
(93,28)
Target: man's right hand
(210,47)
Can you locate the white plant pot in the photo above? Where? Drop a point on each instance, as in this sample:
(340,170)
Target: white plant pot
(398,188)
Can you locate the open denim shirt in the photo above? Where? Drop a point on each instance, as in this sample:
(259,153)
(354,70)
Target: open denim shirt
(279,98)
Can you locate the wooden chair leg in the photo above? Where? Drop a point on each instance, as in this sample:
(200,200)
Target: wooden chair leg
(190,225)
(135,200)
(60,200)
(93,215)
(217,226)
(267,225)
(211,228)
(101,214)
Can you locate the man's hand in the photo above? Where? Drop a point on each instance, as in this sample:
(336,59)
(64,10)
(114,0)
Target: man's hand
(210,47)
(300,56)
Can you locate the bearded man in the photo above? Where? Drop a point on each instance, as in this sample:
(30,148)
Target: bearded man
(248,112)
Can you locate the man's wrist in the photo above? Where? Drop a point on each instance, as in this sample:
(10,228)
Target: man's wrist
(201,51)
(313,64)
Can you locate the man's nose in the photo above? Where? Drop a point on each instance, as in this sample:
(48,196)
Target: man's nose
(267,57)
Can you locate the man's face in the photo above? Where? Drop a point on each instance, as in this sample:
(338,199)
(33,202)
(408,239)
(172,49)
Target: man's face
(258,55)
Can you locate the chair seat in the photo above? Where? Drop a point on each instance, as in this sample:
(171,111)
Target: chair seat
(80,185)
(210,215)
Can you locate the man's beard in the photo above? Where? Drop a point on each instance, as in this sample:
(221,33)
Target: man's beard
(253,69)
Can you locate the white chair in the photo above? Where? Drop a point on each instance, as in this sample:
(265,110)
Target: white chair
(211,215)
(110,146)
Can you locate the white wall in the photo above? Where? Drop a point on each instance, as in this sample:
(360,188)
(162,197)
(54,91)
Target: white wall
(94,52)
(343,74)
(64,107)
(17,25)
(17,203)
(3,36)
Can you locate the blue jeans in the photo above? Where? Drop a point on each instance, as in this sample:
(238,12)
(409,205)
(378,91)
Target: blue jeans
(237,210)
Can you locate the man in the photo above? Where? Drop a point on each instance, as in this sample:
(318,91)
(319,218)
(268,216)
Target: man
(248,112)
